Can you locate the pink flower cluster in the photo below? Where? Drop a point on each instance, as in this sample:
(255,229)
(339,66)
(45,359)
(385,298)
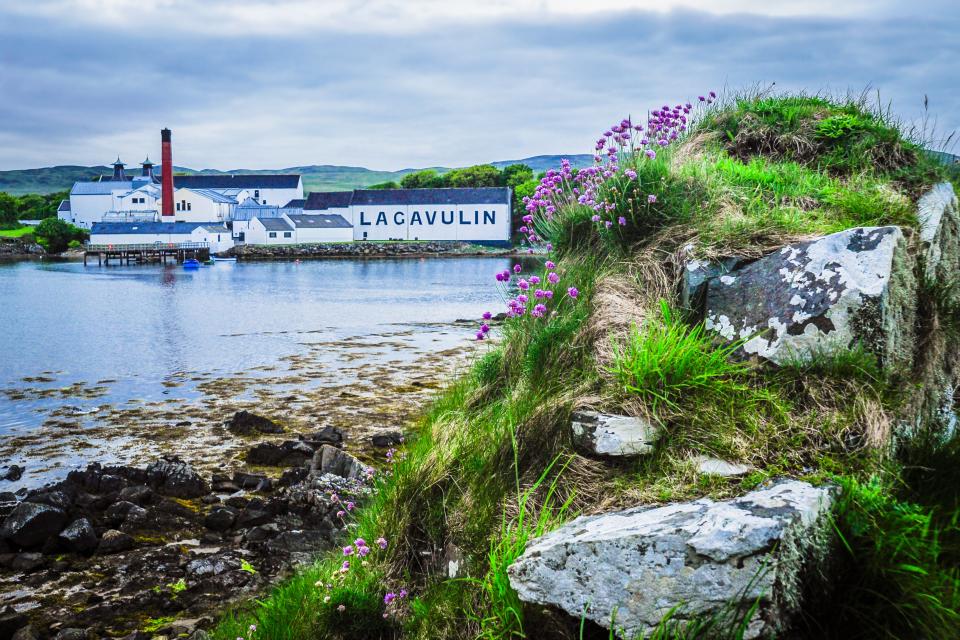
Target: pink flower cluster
(360,549)
(535,295)
(624,142)
(596,187)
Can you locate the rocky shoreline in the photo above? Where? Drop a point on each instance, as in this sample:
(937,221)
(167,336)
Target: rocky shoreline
(367,250)
(15,248)
(159,550)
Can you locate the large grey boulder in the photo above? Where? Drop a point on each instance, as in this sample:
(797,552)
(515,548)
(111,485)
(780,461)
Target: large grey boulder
(610,436)
(30,524)
(697,273)
(852,287)
(937,213)
(702,557)
(330,459)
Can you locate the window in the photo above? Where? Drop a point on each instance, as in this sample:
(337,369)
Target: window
(256,194)
(189,206)
(287,234)
(273,234)
(178,206)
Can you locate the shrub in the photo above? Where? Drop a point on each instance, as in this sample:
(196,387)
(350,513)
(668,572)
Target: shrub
(55,234)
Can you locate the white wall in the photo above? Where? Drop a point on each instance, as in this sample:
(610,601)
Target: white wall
(191,206)
(432,222)
(218,241)
(310,235)
(87,209)
(278,197)
(126,202)
(256,233)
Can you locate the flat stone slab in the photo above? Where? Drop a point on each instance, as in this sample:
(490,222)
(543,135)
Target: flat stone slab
(716,467)
(855,287)
(612,436)
(698,556)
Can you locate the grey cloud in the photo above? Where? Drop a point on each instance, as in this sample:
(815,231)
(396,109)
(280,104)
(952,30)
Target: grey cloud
(454,95)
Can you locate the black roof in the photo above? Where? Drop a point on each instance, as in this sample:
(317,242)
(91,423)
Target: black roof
(64,205)
(295,204)
(480,195)
(241,181)
(275,224)
(319,200)
(320,221)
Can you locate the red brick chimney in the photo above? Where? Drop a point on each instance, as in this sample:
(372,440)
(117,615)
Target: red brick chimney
(166,168)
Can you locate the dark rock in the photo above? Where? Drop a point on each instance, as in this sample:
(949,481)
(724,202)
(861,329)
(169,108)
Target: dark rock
(287,454)
(332,460)
(210,499)
(26,633)
(389,439)
(173,477)
(237,502)
(27,561)
(116,514)
(263,532)
(79,536)
(30,524)
(14,472)
(244,423)
(254,481)
(110,483)
(327,435)
(74,634)
(114,541)
(138,494)
(53,497)
(293,476)
(220,518)
(10,621)
(251,517)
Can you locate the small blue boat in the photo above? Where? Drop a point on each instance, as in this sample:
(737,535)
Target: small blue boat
(191,263)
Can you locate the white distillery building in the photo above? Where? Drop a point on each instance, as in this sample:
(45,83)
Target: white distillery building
(469,215)
(293,228)
(197,198)
(216,235)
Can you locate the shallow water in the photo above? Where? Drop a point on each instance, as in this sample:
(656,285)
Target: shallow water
(122,363)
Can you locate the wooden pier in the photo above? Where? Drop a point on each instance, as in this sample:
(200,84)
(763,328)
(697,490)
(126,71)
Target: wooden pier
(143,253)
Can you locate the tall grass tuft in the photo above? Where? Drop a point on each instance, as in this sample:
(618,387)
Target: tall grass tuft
(501,614)
(666,359)
(898,577)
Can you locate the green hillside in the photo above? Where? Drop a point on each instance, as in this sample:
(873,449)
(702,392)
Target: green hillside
(315,177)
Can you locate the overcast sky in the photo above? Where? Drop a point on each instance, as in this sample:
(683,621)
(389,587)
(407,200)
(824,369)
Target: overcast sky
(411,83)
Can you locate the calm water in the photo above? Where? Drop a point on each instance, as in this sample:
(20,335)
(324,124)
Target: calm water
(121,334)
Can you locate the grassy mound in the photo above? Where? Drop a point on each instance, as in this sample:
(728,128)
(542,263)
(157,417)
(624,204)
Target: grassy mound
(492,464)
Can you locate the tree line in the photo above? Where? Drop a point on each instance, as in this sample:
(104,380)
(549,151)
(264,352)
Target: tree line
(28,207)
(518,177)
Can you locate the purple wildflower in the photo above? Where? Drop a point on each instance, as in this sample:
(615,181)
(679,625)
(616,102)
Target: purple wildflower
(572,292)
(382,542)
(622,221)
(652,198)
(517,268)
(630,173)
(487,315)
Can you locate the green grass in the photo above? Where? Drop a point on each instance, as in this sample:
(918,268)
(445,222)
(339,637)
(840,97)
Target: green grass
(16,233)
(666,361)
(898,574)
(491,465)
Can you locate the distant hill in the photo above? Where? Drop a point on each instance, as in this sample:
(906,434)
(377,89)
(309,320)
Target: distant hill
(316,177)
